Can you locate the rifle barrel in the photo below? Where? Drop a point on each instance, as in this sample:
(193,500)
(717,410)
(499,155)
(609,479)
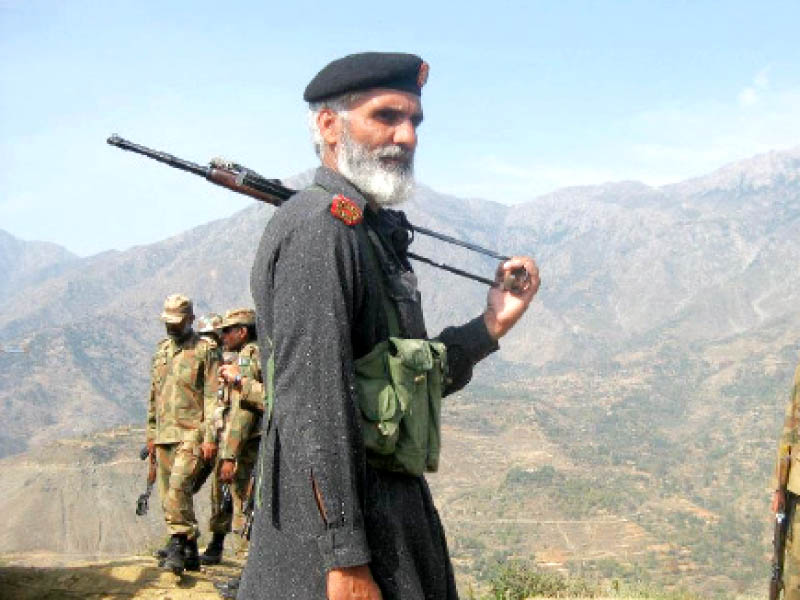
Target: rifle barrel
(457,242)
(168,159)
(454,270)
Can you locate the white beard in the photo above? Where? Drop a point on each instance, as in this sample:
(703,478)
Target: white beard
(386,184)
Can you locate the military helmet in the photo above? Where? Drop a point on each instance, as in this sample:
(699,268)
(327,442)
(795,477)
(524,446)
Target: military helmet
(239,316)
(209,323)
(176,308)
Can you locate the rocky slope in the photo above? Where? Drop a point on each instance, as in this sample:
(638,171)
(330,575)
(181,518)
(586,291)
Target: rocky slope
(641,395)
(27,263)
(625,268)
(128,577)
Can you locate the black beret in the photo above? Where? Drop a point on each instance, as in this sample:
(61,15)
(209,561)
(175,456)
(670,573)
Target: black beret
(367,70)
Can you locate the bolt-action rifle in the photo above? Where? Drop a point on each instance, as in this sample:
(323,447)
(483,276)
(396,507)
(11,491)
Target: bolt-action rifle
(143,502)
(245,181)
(781,527)
(249,507)
(226,504)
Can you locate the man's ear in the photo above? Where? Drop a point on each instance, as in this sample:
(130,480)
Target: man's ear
(329,124)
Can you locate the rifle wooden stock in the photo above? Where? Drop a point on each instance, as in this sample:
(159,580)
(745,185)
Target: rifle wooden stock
(242,183)
(249,506)
(143,502)
(151,471)
(780,531)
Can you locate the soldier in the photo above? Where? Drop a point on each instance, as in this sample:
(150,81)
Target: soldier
(182,396)
(789,448)
(242,432)
(343,510)
(208,327)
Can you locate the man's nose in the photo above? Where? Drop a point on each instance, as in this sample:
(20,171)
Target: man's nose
(405,134)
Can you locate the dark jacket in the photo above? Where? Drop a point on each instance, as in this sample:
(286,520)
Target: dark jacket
(321,505)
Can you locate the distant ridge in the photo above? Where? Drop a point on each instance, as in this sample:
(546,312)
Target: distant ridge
(623,264)
(629,420)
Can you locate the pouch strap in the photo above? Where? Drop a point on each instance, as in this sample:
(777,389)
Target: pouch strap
(372,244)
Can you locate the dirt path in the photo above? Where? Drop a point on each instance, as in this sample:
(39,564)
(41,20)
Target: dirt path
(132,577)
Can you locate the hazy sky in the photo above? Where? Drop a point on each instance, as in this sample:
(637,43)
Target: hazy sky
(523,98)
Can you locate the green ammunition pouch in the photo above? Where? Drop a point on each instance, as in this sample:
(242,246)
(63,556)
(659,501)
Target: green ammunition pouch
(399,384)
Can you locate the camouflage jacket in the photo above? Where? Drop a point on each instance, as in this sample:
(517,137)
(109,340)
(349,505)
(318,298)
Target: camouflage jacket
(789,442)
(211,341)
(183,391)
(247,406)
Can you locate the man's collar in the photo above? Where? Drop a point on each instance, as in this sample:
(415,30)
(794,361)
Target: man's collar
(336,183)
(184,341)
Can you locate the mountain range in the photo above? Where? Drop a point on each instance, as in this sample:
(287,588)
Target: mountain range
(652,367)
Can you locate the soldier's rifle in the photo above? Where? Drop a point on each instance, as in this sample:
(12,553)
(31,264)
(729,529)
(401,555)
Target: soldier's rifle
(226,503)
(249,507)
(781,528)
(225,391)
(143,502)
(245,181)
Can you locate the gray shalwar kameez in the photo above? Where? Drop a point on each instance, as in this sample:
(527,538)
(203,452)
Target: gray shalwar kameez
(321,504)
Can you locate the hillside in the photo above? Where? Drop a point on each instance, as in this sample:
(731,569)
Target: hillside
(513,485)
(136,577)
(77,498)
(626,268)
(125,577)
(26,263)
(626,428)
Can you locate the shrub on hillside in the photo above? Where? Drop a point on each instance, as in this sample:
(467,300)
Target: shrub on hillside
(516,580)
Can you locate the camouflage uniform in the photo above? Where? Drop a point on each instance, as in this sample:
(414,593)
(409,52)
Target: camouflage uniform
(220,520)
(243,429)
(789,445)
(243,432)
(208,327)
(183,392)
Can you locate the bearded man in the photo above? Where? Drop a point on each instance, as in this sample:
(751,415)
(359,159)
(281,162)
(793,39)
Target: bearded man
(343,510)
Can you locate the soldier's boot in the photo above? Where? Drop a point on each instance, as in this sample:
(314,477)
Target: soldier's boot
(228,589)
(213,552)
(161,553)
(191,556)
(175,560)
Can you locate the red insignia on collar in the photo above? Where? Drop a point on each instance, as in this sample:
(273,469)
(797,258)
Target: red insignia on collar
(346,210)
(422,75)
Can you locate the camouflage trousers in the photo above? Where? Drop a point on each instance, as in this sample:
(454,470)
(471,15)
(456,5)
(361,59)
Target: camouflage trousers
(178,466)
(791,564)
(220,522)
(241,481)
